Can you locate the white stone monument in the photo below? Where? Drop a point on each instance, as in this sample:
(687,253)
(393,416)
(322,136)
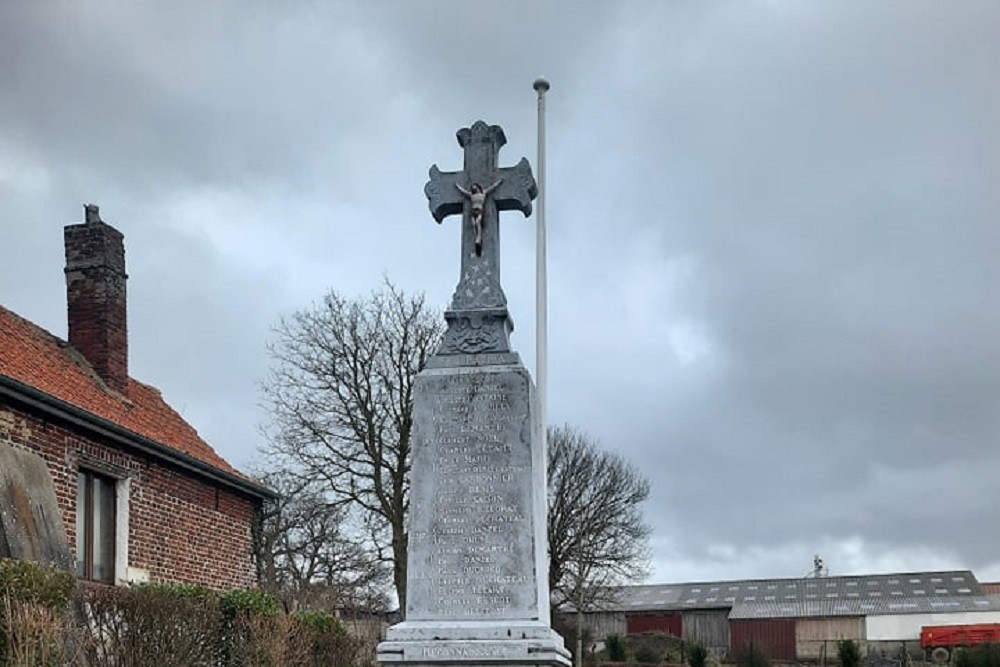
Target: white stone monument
(477,572)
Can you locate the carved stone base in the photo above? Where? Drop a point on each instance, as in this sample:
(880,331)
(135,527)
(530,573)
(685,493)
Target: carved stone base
(470,643)
(477,331)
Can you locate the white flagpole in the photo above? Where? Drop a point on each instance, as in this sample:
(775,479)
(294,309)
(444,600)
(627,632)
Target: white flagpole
(541,288)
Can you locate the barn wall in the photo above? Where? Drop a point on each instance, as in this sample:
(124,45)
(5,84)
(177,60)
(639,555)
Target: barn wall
(775,636)
(814,636)
(666,622)
(600,624)
(902,627)
(709,628)
(607,623)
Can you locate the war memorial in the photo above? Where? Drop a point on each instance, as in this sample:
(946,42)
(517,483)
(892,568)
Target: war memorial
(477,581)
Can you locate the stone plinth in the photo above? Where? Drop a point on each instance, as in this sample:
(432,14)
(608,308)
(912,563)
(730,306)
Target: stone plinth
(477,584)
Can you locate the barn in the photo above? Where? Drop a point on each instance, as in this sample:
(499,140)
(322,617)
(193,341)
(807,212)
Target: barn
(803,618)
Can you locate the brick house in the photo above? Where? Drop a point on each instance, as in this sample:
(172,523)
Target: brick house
(141,495)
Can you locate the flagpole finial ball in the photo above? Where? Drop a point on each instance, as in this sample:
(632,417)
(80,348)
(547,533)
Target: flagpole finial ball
(541,84)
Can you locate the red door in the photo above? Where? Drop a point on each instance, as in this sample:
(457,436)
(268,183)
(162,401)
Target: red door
(776,637)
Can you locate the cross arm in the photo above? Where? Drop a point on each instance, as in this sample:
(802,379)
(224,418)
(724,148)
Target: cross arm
(443,197)
(516,190)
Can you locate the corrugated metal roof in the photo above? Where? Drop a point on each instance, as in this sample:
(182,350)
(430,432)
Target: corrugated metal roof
(872,607)
(725,594)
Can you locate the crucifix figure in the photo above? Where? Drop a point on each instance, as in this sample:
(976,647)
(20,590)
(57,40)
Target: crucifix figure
(477,196)
(513,189)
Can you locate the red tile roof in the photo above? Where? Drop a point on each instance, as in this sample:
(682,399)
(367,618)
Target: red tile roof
(34,357)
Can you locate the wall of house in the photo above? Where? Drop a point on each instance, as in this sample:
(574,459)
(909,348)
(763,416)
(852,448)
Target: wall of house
(180,529)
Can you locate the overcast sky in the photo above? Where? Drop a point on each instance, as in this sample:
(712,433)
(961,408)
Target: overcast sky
(774,249)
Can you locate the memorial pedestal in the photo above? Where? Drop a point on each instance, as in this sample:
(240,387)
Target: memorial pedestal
(477,585)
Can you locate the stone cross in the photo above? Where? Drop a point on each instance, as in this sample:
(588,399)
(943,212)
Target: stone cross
(479,285)
(477,592)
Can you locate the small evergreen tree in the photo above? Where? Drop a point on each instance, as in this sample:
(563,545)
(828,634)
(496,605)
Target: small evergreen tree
(751,655)
(985,655)
(616,648)
(697,654)
(849,653)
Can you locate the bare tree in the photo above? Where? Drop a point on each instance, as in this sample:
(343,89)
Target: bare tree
(307,557)
(598,539)
(340,397)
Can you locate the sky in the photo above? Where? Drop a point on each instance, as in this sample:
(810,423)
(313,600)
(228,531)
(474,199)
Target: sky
(772,232)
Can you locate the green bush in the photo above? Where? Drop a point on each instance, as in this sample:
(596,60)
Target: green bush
(160,624)
(29,582)
(849,653)
(320,621)
(697,654)
(249,602)
(33,602)
(647,655)
(985,655)
(752,655)
(250,629)
(615,645)
(176,591)
(153,624)
(341,650)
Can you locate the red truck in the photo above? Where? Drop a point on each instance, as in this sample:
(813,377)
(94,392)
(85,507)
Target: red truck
(940,639)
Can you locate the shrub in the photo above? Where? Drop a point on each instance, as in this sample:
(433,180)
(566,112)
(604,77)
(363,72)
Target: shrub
(751,655)
(152,624)
(176,591)
(33,602)
(647,655)
(162,625)
(985,655)
(334,648)
(697,654)
(269,640)
(252,631)
(330,644)
(849,653)
(31,635)
(615,644)
(29,582)
(321,622)
(258,602)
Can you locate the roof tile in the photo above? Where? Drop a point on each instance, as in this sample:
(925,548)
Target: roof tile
(36,358)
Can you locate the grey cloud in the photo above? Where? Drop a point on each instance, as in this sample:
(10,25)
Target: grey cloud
(772,236)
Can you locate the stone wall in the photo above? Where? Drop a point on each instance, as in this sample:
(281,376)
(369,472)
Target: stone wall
(181,529)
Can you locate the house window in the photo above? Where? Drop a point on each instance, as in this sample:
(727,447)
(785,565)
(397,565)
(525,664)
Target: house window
(96,504)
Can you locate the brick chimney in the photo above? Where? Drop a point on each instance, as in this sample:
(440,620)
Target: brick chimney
(95,296)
